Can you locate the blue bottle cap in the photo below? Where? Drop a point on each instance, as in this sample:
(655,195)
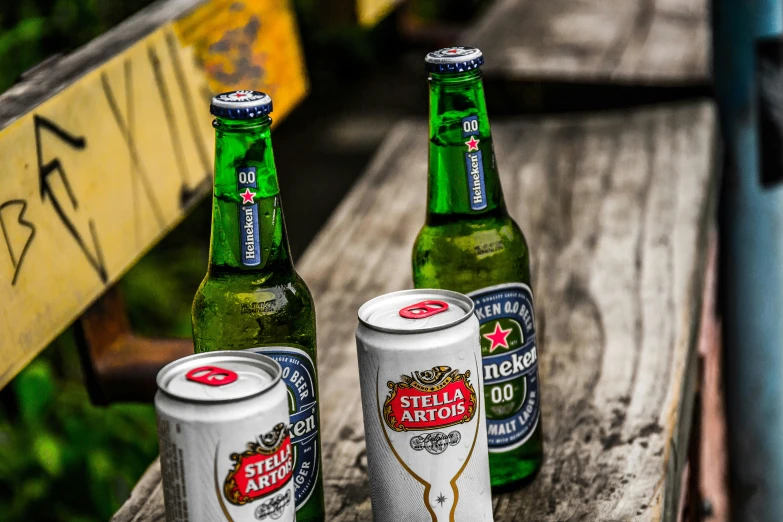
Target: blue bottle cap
(453,60)
(241,105)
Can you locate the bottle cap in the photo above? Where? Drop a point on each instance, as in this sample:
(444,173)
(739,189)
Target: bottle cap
(454,60)
(241,105)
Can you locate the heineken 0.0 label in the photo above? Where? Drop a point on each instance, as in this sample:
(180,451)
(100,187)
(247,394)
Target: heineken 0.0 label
(298,373)
(508,348)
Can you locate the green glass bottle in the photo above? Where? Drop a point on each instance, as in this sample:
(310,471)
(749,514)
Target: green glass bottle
(252,298)
(470,244)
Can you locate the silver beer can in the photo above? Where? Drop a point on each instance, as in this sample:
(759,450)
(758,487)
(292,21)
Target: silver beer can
(422,399)
(225,447)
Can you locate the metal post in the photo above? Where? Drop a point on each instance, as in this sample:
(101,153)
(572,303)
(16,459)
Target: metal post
(751,263)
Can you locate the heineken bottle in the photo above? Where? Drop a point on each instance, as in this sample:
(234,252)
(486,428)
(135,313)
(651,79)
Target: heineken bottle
(470,244)
(252,298)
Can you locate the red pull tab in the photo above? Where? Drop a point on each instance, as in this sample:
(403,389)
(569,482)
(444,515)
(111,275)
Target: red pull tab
(211,375)
(424,309)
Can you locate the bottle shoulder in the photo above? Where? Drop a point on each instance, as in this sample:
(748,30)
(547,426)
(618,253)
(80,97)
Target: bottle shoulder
(225,285)
(248,298)
(245,311)
(469,255)
(472,231)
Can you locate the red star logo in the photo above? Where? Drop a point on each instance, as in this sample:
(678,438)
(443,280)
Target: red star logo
(498,337)
(240,94)
(472,144)
(452,51)
(247,196)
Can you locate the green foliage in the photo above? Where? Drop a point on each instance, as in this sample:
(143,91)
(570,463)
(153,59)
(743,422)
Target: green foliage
(62,459)
(159,289)
(33,30)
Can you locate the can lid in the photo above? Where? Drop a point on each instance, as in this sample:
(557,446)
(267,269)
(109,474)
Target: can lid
(416,311)
(241,105)
(453,60)
(219,376)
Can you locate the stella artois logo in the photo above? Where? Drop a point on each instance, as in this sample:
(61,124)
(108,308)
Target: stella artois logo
(430,400)
(265,467)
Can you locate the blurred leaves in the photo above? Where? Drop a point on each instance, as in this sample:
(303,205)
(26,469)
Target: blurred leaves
(34,388)
(62,459)
(49,454)
(159,289)
(33,30)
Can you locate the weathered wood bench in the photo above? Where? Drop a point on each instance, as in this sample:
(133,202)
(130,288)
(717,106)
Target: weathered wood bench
(636,42)
(616,208)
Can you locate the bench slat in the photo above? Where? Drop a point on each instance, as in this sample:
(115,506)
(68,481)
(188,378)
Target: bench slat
(616,210)
(650,42)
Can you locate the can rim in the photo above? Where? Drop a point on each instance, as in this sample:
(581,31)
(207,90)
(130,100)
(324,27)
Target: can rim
(436,291)
(262,361)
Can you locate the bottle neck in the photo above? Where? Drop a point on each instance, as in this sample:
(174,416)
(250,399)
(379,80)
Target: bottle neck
(248,230)
(463,178)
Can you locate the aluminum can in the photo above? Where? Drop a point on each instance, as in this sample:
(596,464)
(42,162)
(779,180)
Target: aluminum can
(422,399)
(225,447)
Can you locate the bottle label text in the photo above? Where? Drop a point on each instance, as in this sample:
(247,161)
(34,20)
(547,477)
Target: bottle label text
(299,377)
(508,349)
(249,232)
(474,164)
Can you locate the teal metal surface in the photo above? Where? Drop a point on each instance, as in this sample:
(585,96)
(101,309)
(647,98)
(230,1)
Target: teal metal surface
(751,267)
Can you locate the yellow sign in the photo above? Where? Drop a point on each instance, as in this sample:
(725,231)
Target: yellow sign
(249,44)
(370,12)
(96,175)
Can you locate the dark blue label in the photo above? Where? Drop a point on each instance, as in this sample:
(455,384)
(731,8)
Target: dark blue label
(299,377)
(249,232)
(510,360)
(475,169)
(474,165)
(470,126)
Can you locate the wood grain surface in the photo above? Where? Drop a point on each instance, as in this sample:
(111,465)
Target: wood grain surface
(649,42)
(105,150)
(616,210)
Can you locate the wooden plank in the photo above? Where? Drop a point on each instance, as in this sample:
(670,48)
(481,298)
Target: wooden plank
(105,150)
(714,476)
(616,210)
(645,42)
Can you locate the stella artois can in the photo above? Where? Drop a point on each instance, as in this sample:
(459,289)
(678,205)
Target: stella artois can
(225,448)
(422,398)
